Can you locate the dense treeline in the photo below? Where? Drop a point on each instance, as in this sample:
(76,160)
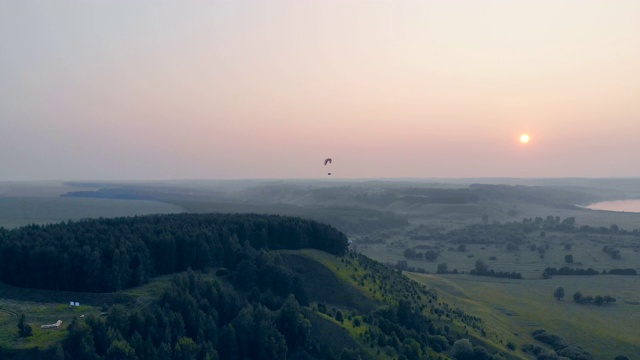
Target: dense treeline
(599,300)
(569,225)
(482,269)
(106,255)
(196,318)
(550,271)
(429,255)
(559,345)
(498,274)
(200,317)
(203,317)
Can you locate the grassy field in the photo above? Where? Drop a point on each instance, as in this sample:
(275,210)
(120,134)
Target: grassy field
(585,249)
(37,314)
(518,307)
(42,307)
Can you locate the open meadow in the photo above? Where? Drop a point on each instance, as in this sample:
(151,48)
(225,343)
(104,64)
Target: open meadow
(521,306)
(42,307)
(586,250)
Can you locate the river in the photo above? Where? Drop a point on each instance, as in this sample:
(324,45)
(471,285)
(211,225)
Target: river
(617,205)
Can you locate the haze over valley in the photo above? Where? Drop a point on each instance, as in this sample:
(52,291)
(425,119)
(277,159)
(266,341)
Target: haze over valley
(451,180)
(493,248)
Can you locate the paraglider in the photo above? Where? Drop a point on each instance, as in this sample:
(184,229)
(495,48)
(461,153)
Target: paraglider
(327,161)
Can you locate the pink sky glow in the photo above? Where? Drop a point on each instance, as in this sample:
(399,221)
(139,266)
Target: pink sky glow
(269,89)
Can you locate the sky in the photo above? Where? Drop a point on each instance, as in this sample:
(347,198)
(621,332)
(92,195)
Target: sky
(146,90)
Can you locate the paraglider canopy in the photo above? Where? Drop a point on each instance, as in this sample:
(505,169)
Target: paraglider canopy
(327,161)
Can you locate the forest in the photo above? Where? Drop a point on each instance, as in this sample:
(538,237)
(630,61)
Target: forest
(233,296)
(106,255)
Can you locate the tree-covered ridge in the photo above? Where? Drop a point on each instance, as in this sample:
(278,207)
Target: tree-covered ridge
(106,255)
(197,317)
(239,316)
(261,304)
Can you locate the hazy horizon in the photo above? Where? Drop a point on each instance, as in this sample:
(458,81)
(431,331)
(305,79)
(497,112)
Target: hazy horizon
(164,90)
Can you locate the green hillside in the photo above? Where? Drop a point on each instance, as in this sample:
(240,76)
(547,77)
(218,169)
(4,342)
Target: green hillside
(356,307)
(137,265)
(517,307)
(248,302)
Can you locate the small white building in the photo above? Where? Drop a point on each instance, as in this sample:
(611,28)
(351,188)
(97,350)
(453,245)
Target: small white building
(52,326)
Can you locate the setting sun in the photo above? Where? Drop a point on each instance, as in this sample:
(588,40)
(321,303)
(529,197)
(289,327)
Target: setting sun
(524,138)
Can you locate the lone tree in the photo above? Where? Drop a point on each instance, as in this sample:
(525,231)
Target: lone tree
(568,259)
(339,316)
(442,268)
(559,293)
(463,349)
(481,267)
(24,329)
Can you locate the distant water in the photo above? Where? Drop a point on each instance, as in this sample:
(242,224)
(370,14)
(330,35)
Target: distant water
(617,205)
